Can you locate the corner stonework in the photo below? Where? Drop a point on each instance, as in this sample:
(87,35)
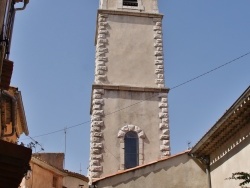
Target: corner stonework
(96,136)
(164,126)
(101,50)
(159,59)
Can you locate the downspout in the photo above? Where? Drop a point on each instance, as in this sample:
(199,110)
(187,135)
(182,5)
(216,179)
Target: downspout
(208,175)
(13,113)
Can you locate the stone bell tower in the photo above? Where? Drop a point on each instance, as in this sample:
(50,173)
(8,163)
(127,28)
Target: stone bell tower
(129,104)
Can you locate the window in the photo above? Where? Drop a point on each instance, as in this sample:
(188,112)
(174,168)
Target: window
(130,3)
(131,153)
(54,182)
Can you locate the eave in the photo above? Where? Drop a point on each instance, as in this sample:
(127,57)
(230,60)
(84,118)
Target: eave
(235,119)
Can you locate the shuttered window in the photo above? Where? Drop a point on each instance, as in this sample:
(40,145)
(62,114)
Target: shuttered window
(130,3)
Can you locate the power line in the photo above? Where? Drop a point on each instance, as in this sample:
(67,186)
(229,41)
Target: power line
(179,85)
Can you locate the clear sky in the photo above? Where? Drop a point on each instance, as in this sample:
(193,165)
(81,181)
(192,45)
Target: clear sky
(53,51)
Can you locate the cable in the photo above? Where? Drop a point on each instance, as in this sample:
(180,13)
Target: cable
(184,83)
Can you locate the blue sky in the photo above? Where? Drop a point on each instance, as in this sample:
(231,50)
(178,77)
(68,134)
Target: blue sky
(53,51)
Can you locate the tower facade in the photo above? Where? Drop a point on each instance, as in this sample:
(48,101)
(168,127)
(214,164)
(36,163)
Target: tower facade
(129,104)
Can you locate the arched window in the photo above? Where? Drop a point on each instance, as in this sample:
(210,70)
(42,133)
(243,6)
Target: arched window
(131,153)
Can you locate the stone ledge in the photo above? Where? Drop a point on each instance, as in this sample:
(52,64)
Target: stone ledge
(130,88)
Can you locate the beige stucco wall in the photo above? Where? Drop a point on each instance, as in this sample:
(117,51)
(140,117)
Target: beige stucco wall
(41,178)
(143,115)
(231,157)
(73,182)
(131,51)
(177,172)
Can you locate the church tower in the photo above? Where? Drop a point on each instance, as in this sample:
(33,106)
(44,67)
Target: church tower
(129,104)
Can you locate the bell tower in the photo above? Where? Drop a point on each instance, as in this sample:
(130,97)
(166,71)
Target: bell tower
(129,104)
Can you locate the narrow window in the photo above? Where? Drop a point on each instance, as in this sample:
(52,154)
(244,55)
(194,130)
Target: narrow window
(54,182)
(130,3)
(131,149)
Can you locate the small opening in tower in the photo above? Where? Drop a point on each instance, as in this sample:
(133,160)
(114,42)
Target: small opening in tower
(130,3)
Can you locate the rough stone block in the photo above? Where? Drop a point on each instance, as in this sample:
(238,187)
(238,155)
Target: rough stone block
(164,137)
(95,129)
(97,134)
(141,134)
(102,28)
(158,44)
(164,120)
(166,153)
(94,174)
(97,107)
(163,115)
(97,123)
(157,36)
(163,125)
(165,142)
(165,131)
(158,62)
(131,127)
(96,118)
(100,72)
(100,40)
(97,157)
(164,148)
(101,36)
(94,162)
(158,53)
(157,28)
(96,168)
(96,145)
(102,19)
(105,59)
(95,139)
(95,151)
(163,105)
(160,66)
(160,76)
(99,91)
(103,23)
(97,96)
(121,134)
(158,23)
(159,57)
(103,32)
(159,71)
(101,78)
(164,110)
(159,48)
(98,101)
(159,81)
(104,68)
(164,100)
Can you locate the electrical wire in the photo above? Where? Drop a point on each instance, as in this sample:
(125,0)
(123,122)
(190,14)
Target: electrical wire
(120,109)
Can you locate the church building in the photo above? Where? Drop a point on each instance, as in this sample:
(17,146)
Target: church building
(129,112)
(130,137)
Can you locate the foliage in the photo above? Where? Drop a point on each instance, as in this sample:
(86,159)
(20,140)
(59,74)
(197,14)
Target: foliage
(245,177)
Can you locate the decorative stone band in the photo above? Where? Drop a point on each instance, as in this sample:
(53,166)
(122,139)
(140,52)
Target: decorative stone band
(141,136)
(164,125)
(96,136)
(159,63)
(101,50)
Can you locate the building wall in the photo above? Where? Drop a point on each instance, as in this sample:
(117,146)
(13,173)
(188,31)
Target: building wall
(41,177)
(179,171)
(233,156)
(2,13)
(144,115)
(131,51)
(73,182)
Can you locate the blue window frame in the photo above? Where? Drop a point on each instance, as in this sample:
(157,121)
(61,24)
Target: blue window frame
(131,149)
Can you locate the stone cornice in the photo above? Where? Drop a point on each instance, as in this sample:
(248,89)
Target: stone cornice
(130,13)
(130,88)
